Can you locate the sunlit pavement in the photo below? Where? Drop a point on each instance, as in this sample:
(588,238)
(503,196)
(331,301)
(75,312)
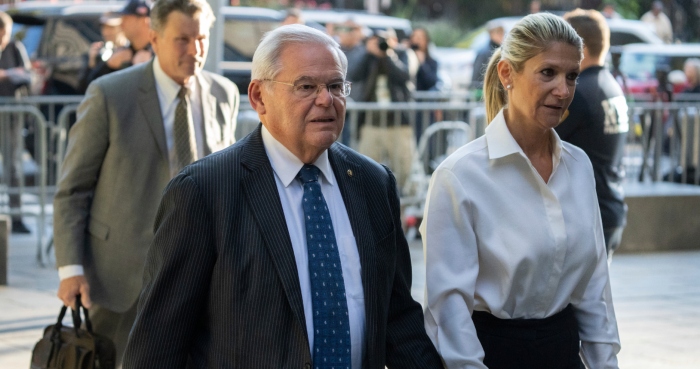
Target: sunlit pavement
(657,300)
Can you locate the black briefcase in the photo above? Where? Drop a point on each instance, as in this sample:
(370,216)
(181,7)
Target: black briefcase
(73,347)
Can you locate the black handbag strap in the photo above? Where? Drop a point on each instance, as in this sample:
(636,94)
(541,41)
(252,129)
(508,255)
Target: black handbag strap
(77,321)
(76,315)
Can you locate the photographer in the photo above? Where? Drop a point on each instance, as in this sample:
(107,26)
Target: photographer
(386,73)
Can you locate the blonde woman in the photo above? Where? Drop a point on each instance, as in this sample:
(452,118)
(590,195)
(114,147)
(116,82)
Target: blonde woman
(516,263)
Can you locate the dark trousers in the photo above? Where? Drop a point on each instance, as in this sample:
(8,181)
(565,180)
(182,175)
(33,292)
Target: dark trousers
(116,326)
(549,343)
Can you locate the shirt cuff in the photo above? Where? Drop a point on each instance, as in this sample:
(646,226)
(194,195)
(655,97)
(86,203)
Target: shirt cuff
(68,271)
(600,355)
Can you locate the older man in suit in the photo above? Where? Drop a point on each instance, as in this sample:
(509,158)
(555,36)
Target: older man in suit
(284,250)
(135,130)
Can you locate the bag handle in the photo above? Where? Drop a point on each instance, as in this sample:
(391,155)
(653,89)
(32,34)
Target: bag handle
(77,321)
(76,315)
(56,331)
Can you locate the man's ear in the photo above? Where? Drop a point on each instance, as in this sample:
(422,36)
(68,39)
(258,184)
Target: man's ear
(255,96)
(153,37)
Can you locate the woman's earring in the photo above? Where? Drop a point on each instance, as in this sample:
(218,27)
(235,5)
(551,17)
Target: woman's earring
(508,87)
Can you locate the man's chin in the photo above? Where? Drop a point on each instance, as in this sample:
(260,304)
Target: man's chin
(325,139)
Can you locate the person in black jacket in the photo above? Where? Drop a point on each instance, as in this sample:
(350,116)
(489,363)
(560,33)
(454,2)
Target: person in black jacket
(14,82)
(386,72)
(597,122)
(427,77)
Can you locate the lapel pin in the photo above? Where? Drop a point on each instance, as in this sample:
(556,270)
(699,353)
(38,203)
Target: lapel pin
(349,173)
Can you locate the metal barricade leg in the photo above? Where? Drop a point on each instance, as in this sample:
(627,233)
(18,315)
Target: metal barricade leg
(39,187)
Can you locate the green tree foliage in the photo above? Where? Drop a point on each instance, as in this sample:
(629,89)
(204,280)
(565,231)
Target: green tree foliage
(630,9)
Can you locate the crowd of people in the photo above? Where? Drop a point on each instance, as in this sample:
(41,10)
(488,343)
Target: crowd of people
(285,249)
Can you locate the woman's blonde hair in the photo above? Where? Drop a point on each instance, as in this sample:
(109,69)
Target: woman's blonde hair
(529,37)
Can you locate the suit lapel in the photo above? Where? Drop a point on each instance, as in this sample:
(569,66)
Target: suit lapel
(263,198)
(150,107)
(352,191)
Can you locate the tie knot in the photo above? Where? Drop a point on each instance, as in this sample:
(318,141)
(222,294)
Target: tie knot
(308,173)
(184,92)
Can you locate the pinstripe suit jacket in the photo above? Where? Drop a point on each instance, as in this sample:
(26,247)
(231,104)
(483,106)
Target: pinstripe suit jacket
(221,282)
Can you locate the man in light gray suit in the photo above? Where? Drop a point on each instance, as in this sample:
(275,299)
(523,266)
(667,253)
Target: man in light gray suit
(136,129)
(284,250)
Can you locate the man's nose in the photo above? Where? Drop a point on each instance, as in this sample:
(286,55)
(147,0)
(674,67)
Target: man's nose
(195,47)
(323,96)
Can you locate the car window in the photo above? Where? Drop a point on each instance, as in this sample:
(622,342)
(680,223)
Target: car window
(641,67)
(242,36)
(30,36)
(68,40)
(637,66)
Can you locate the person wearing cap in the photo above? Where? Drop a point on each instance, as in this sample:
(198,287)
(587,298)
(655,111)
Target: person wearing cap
(135,130)
(135,23)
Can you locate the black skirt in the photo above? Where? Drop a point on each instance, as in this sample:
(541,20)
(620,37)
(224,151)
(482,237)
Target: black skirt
(549,343)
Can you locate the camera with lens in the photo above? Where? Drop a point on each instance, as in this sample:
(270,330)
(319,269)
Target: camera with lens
(383,45)
(381,40)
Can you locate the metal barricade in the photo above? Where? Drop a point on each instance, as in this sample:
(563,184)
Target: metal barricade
(13,120)
(437,142)
(664,142)
(45,141)
(388,132)
(413,114)
(61,133)
(51,108)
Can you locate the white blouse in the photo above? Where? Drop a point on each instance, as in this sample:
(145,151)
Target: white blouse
(498,239)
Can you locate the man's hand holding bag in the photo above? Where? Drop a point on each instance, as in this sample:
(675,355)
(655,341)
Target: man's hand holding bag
(72,347)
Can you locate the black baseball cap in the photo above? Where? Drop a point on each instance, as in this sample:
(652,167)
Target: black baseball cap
(136,7)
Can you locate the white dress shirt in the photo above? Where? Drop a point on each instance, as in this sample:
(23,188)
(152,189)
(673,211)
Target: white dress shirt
(167,90)
(499,239)
(286,166)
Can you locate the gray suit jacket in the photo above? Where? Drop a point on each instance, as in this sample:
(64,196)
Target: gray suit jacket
(115,170)
(221,282)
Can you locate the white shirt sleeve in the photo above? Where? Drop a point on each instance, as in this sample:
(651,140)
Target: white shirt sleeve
(595,313)
(68,271)
(452,266)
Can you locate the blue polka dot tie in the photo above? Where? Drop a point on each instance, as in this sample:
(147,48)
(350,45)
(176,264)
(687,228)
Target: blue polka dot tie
(330,309)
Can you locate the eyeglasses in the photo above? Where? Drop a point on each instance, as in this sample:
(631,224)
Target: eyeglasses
(305,89)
